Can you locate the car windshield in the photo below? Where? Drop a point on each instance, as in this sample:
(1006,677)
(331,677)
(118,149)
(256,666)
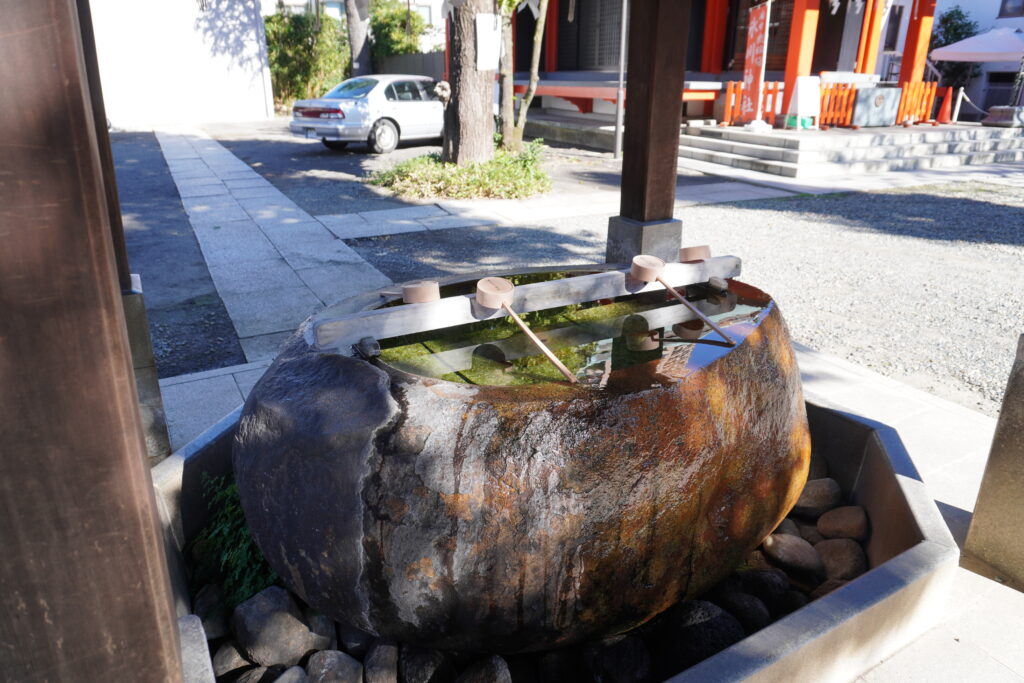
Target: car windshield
(351,89)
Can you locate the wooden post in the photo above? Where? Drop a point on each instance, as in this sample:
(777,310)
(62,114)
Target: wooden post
(994,537)
(716,20)
(915,48)
(802,33)
(870,36)
(551,38)
(658,31)
(84,580)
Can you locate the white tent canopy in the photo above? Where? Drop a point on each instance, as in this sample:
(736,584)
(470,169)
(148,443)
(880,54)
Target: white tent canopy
(997,45)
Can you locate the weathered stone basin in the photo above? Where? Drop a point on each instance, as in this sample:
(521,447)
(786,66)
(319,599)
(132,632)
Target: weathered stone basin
(515,518)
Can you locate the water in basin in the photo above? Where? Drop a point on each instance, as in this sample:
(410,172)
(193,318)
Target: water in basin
(595,340)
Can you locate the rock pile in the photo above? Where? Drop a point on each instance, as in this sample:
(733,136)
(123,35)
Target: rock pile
(274,637)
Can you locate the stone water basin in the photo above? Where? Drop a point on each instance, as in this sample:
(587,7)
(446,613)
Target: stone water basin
(456,493)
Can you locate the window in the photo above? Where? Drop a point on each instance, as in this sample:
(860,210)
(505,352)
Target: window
(892,31)
(351,89)
(407,91)
(1011,8)
(427,89)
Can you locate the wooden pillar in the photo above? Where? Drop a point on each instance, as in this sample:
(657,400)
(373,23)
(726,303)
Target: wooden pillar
(800,52)
(551,38)
(915,48)
(657,66)
(85,590)
(870,36)
(716,21)
(658,31)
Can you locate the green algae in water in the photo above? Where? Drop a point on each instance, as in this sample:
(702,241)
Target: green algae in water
(591,339)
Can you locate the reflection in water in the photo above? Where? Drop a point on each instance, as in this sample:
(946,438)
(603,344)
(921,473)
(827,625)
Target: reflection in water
(654,337)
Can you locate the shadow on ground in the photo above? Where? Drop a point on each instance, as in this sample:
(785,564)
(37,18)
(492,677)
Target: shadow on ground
(963,213)
(189,326)
(482,249)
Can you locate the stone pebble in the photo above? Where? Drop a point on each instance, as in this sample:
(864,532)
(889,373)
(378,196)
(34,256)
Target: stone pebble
(492,669)
(269,629)
(843,558)
(849,521)
(793,554)
(818,497)
(334,666)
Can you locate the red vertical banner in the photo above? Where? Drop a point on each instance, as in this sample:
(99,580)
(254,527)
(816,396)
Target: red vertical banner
(753,65)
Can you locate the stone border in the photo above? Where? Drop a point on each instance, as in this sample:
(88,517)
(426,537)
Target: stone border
(848,631)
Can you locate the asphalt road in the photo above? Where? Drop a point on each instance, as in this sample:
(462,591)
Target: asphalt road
(319,180)
(190,328)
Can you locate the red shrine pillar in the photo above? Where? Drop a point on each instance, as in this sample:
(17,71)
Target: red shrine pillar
(551,37)
(802,33)
(716,20)
(919,34)
(870,36)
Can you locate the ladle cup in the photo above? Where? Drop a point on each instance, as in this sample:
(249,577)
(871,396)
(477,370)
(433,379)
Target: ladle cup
(496,292)
(647,268)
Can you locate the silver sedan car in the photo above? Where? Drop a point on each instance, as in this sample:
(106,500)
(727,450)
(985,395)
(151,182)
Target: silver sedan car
(377,110)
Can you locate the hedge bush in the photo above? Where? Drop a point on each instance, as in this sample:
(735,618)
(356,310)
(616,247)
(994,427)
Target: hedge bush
(306,58)
(396,30)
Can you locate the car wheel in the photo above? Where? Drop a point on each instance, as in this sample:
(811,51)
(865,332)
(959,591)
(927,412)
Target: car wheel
(335,145)
(383,137)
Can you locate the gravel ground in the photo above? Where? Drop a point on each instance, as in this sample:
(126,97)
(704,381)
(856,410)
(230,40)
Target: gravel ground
(924,285)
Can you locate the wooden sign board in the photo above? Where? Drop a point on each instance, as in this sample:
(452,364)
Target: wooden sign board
(753,65)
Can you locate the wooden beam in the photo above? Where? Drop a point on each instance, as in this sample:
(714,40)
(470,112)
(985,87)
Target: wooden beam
(919,35)
(658,36)
(800,52)
(341,332)
(85,589)
(716,21)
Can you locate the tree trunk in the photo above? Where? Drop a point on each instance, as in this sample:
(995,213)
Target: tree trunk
(357,16)
(531,89)
(469,118)
(507,81)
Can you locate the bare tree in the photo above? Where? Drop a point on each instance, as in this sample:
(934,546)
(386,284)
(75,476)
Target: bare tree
(512,133)
(468,118)
(357,16)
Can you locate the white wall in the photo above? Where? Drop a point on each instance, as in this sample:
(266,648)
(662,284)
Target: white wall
(170,62)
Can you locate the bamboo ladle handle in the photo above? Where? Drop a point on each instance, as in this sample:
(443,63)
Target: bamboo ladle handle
(696,311)
(540,345)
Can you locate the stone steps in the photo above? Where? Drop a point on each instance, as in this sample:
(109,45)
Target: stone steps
(812,153)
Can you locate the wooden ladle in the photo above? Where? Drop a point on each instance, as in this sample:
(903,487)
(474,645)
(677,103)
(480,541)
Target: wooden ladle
(496,292)
(647,268)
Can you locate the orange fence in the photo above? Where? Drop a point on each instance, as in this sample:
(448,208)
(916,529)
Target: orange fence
(837,104)
(917,102)
(771,98)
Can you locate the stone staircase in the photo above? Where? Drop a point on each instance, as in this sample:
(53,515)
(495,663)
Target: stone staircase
(804,154)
